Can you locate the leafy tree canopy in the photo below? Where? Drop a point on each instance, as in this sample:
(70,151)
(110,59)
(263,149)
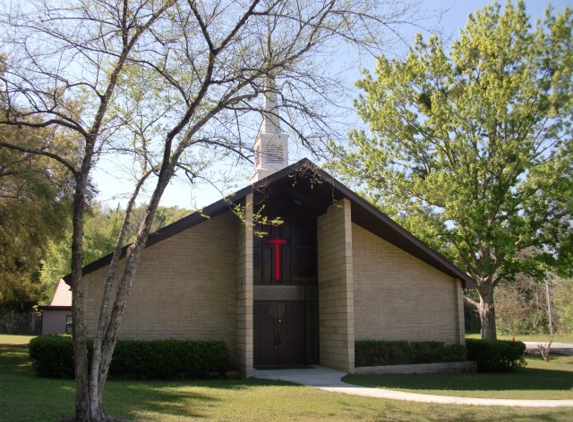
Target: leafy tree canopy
(35,207)
(470,147)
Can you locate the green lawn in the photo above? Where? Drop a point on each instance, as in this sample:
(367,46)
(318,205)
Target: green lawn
(540,380)
(24,397)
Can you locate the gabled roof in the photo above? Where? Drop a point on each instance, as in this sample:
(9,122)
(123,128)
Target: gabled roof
(314,187)
(62,299)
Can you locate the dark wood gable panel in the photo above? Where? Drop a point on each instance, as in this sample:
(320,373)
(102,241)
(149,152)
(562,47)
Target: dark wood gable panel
(285,253)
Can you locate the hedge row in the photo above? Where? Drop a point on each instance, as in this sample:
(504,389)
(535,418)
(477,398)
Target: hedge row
(496,355)
(52,356)
(490,355)
(401,352)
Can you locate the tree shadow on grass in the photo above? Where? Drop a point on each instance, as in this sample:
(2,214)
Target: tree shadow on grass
(14,359)
(522,380)
(162,400)
(137,399)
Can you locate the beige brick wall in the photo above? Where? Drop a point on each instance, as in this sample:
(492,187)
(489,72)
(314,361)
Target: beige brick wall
(398,297)
(184,287)
(244,294)
(335,287)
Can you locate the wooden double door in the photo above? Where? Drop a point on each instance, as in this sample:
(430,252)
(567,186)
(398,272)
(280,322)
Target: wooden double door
(279,333)
(285,285)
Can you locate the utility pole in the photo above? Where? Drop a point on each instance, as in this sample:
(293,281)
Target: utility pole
(548,294)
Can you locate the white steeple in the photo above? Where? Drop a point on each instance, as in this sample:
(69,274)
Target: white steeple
(271,146)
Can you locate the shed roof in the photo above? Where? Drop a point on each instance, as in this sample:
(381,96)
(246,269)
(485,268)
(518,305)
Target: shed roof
(314,187)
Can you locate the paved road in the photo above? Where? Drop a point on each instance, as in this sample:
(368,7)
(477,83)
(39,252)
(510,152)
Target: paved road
(556,348)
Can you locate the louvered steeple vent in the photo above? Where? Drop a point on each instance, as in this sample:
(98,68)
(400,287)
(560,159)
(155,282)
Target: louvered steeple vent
(271,146)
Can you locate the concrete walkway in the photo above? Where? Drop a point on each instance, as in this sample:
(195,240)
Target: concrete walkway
(330,380)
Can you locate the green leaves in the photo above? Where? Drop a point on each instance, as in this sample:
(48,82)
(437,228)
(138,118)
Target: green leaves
(34,209)
(470,148)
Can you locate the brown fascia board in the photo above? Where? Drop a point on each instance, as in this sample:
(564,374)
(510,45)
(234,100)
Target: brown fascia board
(54,308)
(330,190)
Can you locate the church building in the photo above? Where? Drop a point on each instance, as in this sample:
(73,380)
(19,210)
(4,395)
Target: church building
(289,271)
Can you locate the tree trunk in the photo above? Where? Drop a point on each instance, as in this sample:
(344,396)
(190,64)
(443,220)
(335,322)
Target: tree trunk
(106,336)
(78,326)
(486,311)
(100,363)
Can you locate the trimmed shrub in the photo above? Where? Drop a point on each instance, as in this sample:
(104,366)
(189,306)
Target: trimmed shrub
(496,355)
(52,356)
(168,359)
(401,352)
(158,359)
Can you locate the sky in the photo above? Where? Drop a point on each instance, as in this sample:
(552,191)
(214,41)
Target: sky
(184,195)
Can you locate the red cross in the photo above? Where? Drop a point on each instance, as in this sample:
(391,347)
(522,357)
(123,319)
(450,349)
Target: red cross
(276,242)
